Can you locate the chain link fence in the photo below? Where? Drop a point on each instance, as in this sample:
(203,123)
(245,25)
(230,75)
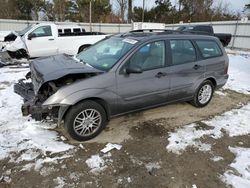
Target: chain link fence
(240,31)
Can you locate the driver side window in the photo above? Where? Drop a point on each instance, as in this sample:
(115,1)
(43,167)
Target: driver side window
(148,57)
(42,31)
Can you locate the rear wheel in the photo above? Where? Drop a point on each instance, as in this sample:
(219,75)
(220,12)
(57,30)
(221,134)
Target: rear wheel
(203,94)
(85,120)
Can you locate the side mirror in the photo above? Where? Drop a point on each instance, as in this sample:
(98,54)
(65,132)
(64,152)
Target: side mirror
(31,35)
(135,70)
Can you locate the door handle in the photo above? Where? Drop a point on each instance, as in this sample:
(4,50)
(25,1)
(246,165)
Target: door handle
(196,67)
(160,74)
(51,39)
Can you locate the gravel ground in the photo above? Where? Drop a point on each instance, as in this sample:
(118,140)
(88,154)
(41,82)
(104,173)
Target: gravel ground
(143,160)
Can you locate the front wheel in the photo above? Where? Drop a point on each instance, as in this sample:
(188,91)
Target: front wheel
(203,94)
(85,120)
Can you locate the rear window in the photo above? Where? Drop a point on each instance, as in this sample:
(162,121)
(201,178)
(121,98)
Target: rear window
(183,51)
(209,49)
(207,29)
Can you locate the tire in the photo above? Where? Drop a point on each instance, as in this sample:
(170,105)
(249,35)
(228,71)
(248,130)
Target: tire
(83,47)
(207,87)
(85,120)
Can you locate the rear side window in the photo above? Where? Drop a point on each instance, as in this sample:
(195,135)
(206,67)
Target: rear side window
(67,30)
(77,30)
(183,51)
(208,48)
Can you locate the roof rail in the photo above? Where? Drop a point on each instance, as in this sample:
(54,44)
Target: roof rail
(154,30)
(168,31)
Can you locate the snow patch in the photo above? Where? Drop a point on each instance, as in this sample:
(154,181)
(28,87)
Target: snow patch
(28,155)
(234,123)
(239,69)
(60,182)
(217,158)
(151,166)
(185,137)
(240,175)
(96,163)
(220,93)
(18,133)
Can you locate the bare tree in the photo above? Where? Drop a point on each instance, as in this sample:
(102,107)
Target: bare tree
(7,10)
(222,11)
(196,9)
(122,6)
(60,9)
(130,10)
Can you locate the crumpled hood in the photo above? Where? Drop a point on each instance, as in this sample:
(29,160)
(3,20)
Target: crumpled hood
(55,67)
(6,38)
(3,34)
(11,37)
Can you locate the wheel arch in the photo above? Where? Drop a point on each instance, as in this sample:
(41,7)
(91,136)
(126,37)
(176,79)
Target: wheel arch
(212,80)
(64,110)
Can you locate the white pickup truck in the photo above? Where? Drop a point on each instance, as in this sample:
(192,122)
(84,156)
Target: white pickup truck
(46,39)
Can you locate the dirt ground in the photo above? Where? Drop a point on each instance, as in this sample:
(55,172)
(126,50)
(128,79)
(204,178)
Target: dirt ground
(143,137)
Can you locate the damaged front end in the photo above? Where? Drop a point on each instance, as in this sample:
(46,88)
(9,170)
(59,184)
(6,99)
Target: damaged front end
(32,103)
(14,46)
(48,75)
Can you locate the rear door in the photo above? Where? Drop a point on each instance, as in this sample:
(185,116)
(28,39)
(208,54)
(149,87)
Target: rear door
(216,63)
(151,87)
(186,69)
(42,43)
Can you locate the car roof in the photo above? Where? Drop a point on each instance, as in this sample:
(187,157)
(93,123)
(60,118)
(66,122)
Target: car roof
(140,35)
(195,25)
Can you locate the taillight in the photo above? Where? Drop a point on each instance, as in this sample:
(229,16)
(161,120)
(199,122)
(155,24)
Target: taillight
(226,66)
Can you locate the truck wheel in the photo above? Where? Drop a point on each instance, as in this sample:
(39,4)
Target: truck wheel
(83,48)
(203,94)
(85,120)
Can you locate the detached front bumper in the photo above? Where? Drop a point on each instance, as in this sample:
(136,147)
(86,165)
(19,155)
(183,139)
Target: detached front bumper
(25,90)
(31,105)
(5,58)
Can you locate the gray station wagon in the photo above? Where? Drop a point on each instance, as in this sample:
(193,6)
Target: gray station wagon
(122,74)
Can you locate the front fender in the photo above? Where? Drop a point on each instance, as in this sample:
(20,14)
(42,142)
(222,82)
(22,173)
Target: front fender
(16,45)
(59,98)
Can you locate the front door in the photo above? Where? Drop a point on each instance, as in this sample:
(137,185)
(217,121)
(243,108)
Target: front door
(42,42)
(148,88)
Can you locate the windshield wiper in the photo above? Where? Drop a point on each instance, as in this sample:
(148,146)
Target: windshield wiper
(85,63)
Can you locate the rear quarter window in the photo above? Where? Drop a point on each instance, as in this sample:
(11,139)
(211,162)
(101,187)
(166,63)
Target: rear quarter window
(209,49)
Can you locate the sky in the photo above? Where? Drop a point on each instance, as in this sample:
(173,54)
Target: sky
(234,5)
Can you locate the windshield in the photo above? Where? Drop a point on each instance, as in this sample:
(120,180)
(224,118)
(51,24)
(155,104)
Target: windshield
(25,30)
(105,54)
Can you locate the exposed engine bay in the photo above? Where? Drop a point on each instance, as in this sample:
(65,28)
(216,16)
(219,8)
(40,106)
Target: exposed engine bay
(45,79)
